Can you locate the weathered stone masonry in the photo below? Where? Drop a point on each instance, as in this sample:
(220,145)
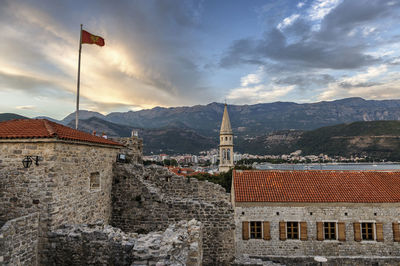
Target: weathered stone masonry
(151,198)
(97,244)
(341,252)
(59,188)
(72,186)
(19,241)
(133,149)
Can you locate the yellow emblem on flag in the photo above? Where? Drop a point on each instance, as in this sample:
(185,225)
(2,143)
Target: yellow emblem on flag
(94,38)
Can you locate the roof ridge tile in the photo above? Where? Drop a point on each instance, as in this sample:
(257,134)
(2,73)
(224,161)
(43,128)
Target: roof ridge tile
(49,128)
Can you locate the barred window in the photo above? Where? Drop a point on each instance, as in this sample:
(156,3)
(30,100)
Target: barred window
(255,230)
(292,229)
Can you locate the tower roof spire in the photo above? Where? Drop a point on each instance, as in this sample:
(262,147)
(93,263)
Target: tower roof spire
(226,123)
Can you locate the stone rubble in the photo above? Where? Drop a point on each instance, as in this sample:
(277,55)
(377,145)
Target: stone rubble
(245,260)
(98,244)
(150,198)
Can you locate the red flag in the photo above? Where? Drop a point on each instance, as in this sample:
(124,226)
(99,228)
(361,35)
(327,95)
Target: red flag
(92,39)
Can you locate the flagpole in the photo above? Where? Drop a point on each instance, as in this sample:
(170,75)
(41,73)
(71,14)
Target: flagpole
(79,79)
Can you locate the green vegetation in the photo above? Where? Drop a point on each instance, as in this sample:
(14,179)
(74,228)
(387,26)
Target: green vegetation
(222,179)
(147,162)
(172,162)
(376,139)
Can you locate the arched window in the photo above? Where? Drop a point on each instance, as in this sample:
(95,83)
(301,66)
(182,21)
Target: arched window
(230,138)
(228,155)
(223,154)
(222,138)
(226,138)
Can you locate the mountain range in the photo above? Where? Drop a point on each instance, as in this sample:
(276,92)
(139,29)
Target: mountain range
(191,129)
(375,139)
(253,120)
(10,116)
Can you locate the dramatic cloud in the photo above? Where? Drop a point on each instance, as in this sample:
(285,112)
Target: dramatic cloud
(321,49)
(288,21)
(25,107)
(185,52)
(376,82)
(321,8)
(306,80)
(294,41)
(141,59)
(258,93)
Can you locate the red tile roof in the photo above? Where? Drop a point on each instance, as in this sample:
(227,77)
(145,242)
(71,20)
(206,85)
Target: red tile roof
(183,171)
(316,186)
(43,128)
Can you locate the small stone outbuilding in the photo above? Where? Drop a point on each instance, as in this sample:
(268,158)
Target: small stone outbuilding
(70,184)
(349,217)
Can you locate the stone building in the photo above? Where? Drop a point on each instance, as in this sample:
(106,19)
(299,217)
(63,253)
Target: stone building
(63,190)
(349,217)
(226,143)
(68,182)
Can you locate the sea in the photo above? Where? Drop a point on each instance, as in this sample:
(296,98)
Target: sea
(329,166)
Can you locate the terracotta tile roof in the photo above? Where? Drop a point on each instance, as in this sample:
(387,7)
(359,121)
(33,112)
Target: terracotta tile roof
(316,186)
(183,171)
(43,128)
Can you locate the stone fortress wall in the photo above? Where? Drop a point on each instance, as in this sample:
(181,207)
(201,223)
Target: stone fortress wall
(19,241)
(150,198)
(348,252)
(133,149)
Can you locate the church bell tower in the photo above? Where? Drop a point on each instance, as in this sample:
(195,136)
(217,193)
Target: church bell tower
(226,143)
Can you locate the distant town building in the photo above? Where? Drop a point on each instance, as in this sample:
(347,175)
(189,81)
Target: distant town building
(237,157)
(214,159)
(134,133)
(226,143)
(164,157)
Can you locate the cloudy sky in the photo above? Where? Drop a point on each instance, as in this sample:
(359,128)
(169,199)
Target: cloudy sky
(182,52)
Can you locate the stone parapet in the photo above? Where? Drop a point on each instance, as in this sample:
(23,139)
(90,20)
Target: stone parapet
(133,149)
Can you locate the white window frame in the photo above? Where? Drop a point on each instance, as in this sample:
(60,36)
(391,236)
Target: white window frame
(374,227)
(336,228)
